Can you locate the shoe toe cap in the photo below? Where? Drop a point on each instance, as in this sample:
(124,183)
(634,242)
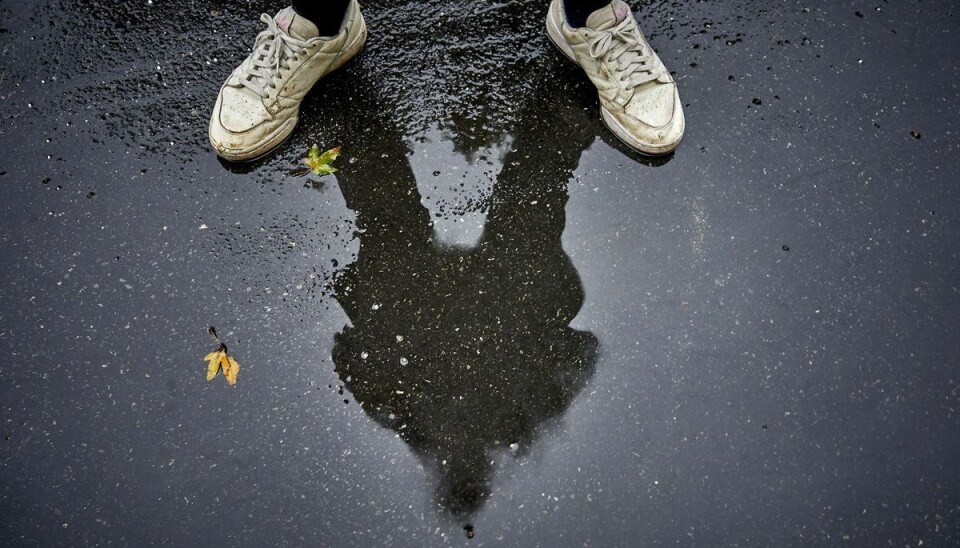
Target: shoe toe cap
(652,123)
(239,126)
(240,111)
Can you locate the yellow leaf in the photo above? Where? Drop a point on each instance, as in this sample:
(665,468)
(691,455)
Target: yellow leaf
(220,361)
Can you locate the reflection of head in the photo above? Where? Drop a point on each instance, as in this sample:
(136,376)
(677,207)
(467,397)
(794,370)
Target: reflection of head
(465,352)
(464,486)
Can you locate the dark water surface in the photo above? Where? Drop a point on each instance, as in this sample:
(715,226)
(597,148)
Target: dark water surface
(555,342)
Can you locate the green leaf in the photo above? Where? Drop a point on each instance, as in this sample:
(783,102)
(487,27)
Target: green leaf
(320,163)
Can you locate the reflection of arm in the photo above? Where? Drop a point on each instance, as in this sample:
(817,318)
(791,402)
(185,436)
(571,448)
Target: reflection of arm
(524,260)
(531,189)
(378,185)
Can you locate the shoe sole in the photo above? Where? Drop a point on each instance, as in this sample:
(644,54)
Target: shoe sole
(284,131)
(557,39)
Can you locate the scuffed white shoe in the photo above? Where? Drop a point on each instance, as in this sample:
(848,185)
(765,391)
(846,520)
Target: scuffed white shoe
(259,104)
(639,101)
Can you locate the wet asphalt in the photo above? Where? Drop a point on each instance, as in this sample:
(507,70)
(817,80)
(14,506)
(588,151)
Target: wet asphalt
(494,319)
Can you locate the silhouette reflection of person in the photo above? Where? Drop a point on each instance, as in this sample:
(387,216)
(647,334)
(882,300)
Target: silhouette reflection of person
(464,352)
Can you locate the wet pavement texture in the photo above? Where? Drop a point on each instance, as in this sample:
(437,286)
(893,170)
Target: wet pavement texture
(494,319)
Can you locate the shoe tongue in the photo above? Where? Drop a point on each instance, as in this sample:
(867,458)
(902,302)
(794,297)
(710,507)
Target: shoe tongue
(608,16)
(296,25)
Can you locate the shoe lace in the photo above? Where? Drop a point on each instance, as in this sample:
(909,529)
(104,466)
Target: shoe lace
(635,64)
(270,54)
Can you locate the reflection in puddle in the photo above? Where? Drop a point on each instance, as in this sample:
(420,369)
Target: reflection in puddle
(464,351)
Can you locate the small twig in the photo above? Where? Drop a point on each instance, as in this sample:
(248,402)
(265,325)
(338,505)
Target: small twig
(213,333)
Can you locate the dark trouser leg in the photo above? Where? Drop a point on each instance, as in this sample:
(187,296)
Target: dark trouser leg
(327,15)
(579,10)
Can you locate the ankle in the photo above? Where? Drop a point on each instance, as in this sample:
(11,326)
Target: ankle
(577,11)
(327,16)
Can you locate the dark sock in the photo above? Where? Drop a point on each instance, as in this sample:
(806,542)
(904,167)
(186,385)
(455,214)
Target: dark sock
(327,15)
(577,11)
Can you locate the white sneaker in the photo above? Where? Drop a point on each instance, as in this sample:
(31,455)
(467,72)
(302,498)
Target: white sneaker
(638,97)
(259,104)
